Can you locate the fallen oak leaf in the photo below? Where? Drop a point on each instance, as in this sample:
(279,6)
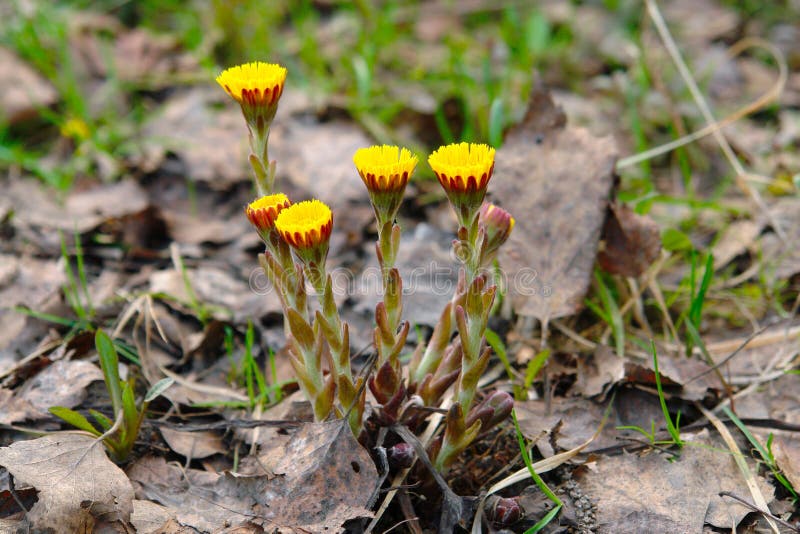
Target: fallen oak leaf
(75,479)
(556,181)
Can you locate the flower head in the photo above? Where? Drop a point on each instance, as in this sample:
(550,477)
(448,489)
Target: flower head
(464,170)
(254,84)
(257,87)
(497,224)
(385,170)
(307,227)
(262,212)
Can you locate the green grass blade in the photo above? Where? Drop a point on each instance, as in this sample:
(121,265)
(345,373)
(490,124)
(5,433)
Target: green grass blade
(671,428)
(543,522)
(529,464)
(612,311)
(534,366)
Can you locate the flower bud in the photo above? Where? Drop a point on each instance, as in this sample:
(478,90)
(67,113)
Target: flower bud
(401,456)
(497,224)
(504,512)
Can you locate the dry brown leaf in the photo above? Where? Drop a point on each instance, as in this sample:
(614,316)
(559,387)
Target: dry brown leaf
(63,383)
(649,494)
(775,399)
(695,377)
(556,181)
(211,142)
(194,445)
(23,92)
(782,259)
(16,409)
(82,210)
(324,479)
(787,456)
(26,281)
(151,518)
(566,423)
(598,372)
(737,238)
(698,22)
(630,242)
(230,297)
(75,479)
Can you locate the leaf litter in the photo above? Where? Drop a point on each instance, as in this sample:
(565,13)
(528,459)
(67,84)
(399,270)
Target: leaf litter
(77,484)
(560,196)
(315,482)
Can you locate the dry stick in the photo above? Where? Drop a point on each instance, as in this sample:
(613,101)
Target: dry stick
(765,513)
(675,54)
(779,361)
(725,360)
(755,491)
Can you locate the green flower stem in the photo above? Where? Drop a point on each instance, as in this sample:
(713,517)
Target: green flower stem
(305,343)
(336,332)
(471,312)
(287,284)
(263,169)
(390,339)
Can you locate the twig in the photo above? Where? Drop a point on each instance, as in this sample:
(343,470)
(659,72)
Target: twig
(750,480)
(765,513)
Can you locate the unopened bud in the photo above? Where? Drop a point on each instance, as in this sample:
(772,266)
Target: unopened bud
(497,223)
(505,512)
(401,456)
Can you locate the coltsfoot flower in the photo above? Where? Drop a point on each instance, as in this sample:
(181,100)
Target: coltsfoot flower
(263,212)
(307,227)
(254,84)
(257,87)
(385,170)
(464,171)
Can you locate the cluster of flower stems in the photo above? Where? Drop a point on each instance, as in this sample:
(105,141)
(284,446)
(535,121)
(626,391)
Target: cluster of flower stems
(443,371)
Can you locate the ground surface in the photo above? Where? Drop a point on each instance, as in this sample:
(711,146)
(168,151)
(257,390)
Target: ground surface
(124,179)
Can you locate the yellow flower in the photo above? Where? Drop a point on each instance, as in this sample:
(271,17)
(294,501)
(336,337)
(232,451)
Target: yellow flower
(306,225)
(75,129)
(262,212)
(385,170)
(462,167)
(464,171)
(254,84)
